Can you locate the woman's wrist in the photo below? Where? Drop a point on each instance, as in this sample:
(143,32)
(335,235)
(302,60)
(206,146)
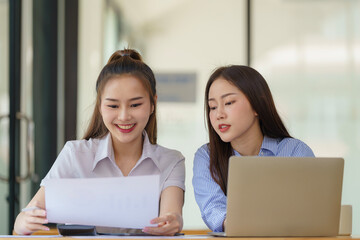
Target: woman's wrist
(180,220)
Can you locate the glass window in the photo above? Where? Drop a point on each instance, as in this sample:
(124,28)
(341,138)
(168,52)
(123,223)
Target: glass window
(309,52)
(4,111)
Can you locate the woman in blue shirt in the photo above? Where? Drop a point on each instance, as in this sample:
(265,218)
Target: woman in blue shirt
(242,120)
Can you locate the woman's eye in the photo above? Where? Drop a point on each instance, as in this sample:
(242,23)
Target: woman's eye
(135,105)
(229,103)
(212,108)
(112,106)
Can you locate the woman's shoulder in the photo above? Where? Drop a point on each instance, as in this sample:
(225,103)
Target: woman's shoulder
(165,152)
(202,154)
(165,158)
(204,149)
(294,147)
(83,145)
(289,141)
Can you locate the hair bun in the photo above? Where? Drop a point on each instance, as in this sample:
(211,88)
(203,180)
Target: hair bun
(133,54)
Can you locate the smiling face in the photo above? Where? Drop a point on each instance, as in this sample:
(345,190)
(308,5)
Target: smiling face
(125,108)
(231,114)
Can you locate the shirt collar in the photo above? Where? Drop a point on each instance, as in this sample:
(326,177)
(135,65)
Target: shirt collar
(269,145)
(105,150)
(149,151)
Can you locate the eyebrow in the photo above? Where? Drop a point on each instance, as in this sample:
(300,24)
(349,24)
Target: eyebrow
(222,96)
(116,100)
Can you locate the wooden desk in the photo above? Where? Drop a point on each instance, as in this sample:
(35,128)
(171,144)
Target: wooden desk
(54,231)
(194,237)
(189,234)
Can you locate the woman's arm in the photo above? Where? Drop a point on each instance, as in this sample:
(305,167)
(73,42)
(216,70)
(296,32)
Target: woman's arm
(208,194)
(170,218)
(33,220)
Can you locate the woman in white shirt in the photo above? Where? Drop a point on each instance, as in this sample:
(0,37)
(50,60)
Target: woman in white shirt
(120,141)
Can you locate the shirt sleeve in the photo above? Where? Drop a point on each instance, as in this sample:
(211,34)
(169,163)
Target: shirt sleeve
(302,150)
(62,167)
(208,194)
(177,175)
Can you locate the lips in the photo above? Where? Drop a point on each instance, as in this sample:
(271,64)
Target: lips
(224,127)
(126,128)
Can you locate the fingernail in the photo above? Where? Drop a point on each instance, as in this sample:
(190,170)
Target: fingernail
(47,229)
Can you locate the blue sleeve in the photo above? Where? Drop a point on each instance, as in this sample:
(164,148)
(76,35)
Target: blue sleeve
(208,194)
(292,147)
(302,150)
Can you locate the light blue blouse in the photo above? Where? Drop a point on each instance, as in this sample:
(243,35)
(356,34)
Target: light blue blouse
(209,196)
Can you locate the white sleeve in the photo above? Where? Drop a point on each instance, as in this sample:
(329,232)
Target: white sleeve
(62,167)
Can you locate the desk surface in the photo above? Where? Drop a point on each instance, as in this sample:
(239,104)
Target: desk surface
(189,234)
(195,237)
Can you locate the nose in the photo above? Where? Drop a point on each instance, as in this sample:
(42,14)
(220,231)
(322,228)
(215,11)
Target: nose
(124,114)
(220,113)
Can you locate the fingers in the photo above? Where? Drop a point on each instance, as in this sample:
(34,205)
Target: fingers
(35,212)
(26,225)
(36,227)
(163,219)
(32,220)
(36,220)
(167,225)
(164,230)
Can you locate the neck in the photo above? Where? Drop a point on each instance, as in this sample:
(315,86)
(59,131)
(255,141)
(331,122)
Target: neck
(125,152)
(250,142)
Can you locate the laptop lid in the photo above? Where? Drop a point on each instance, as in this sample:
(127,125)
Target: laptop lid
(284,196)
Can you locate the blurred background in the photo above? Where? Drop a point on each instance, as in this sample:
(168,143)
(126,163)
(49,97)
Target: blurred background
(51,53)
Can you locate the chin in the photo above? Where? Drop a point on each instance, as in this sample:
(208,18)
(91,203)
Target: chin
(227,140)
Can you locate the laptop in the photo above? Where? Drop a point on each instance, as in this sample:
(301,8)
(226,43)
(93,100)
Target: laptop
(283,196)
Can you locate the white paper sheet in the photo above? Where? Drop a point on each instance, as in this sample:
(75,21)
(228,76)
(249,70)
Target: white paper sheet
(127,202)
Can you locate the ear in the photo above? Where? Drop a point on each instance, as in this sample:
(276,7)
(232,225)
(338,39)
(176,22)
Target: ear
(255,113)
(153,106)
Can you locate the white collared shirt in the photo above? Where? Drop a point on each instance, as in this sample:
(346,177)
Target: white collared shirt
(95,158)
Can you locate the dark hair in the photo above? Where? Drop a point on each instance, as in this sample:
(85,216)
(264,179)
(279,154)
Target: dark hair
(127,61)
(255,88)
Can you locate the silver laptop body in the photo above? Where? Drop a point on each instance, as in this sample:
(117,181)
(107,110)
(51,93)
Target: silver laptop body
(283,196)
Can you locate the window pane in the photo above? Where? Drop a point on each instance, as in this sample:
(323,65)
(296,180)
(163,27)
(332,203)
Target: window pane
(4,111)
(309,52)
